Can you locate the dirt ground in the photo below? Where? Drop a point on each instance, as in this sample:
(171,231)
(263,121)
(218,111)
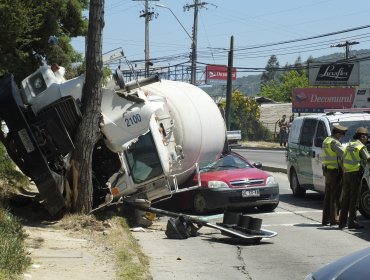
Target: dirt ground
(61,254)
(58,252)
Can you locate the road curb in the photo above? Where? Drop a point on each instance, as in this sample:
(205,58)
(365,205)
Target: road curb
(274,169)
(257,148)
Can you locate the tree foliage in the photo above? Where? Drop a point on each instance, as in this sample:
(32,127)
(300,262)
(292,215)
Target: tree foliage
(245,115)
(282,91)
(271,70)
(27,27)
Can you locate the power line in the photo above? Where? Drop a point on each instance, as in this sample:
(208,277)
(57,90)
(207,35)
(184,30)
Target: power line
(301,39)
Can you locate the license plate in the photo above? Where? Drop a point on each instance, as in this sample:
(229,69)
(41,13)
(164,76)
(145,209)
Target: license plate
(249,193)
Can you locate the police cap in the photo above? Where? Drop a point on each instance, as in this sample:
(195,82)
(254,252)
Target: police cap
(362,130)
(339,128)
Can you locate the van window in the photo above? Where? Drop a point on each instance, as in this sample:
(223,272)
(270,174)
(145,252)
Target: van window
(294,131)
(321,133)
(308,132)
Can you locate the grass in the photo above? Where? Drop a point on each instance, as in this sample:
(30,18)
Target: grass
(14,259)
(130,262)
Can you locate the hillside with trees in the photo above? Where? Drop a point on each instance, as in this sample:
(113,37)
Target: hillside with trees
(250,85)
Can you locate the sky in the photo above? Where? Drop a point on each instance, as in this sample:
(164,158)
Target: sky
(253,24)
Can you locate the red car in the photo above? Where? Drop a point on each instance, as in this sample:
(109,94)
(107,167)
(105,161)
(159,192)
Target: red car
(231,182)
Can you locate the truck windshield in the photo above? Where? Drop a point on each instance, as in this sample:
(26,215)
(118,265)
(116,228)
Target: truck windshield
(142,158)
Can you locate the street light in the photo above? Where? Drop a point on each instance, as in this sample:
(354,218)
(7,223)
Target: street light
(193,45)
(165,7)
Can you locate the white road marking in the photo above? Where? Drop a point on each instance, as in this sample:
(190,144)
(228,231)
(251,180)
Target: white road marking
(295,212)
(290,225)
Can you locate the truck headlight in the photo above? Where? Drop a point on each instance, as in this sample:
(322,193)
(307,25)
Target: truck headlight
(217,184)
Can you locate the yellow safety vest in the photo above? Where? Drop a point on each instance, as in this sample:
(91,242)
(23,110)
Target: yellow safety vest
(351,156)
(329,157)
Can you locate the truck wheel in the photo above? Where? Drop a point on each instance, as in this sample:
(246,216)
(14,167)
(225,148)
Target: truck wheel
(141,219)
(298,191)
(267,207)
(199,203)
(364,206)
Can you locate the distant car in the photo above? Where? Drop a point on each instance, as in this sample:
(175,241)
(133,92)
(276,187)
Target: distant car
(354,266)
(231,182)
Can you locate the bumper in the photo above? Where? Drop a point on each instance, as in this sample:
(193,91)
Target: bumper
(232,198)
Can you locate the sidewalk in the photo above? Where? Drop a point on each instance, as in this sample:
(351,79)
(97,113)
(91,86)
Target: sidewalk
(57,254)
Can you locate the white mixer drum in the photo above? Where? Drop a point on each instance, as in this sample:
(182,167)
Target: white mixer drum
(198,124)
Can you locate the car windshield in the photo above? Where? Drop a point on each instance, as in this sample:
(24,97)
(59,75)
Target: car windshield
(226,162)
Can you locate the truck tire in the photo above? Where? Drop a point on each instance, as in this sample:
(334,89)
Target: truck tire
(297,190)
(364,203)
(141,219)
(199,203)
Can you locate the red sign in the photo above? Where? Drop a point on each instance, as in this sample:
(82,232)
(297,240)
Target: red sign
(218,73)
(312,100)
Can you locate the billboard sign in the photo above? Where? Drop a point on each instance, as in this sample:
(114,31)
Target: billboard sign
(334,74)
(316,100)
(218,74)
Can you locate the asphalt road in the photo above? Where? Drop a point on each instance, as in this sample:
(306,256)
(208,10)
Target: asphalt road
(270,158)
(301,246)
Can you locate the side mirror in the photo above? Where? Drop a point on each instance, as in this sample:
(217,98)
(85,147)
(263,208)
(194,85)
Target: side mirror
(118,76)
(257,165)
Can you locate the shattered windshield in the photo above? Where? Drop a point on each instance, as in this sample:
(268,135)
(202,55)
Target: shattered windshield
(142,158)
(226,162)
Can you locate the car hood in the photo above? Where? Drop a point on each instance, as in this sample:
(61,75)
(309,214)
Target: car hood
(352,267)
(234,174)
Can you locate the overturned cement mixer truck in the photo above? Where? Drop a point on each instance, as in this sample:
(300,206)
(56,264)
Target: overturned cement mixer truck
(155,134)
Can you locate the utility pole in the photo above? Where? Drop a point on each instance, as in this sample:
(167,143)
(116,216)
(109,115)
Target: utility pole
(346,44)
(229,84)
(187,7)
(148,17)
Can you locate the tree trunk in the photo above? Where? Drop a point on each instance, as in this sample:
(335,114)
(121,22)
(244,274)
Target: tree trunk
(88,133)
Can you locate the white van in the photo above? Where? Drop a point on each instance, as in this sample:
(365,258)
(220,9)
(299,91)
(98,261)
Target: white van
(304,161)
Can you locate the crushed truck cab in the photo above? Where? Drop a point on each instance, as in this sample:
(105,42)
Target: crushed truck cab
(155,134)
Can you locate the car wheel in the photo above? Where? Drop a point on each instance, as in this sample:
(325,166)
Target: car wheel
(267,207)
(364,205)
(298,191)
(199,203)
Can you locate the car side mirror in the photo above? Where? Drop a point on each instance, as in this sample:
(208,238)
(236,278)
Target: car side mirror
(257,165)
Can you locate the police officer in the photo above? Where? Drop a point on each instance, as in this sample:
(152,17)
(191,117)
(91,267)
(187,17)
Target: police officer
(355,157)
(332,153)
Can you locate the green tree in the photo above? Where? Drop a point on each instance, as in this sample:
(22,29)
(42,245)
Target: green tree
(27,27)
(282,91)
(270,73)
(290,80)
(245,115)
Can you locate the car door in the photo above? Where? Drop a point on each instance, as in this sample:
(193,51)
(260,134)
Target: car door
(304,157)
(322,131)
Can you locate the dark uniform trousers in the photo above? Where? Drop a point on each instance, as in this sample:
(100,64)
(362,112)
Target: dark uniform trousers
(331,198)
(351,188)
